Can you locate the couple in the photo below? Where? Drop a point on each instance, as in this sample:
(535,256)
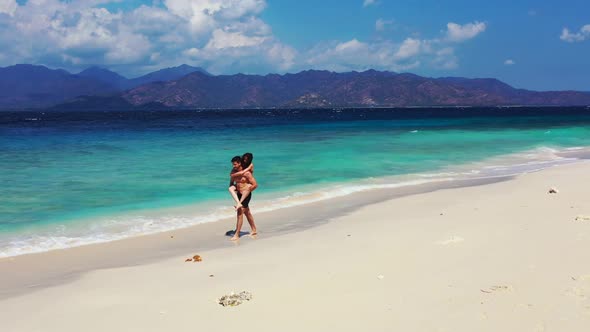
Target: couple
(241,185)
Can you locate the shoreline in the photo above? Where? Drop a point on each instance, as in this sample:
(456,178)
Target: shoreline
(65,265)
(154,221)
(504,256)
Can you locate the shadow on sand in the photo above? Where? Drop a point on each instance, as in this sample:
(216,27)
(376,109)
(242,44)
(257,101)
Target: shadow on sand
(233,231)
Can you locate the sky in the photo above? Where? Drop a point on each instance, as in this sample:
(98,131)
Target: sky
(536,45)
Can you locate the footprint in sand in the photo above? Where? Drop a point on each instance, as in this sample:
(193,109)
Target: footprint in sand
(497,288)
(540,327)
(576,292)
(452,240)
(585,277)
(581,291)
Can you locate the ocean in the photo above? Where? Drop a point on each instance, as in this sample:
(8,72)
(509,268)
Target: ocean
(75,178)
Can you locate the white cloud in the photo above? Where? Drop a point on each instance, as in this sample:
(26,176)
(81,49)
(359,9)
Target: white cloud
(509,62)
(445,59)
(357,55)
(367,3)
(8,7)
(409,48)
(225,39)
(79,33)
(411,53)
(579,36)
(205,14)
(381,24)
(459,33)
(282,55)
(223,36)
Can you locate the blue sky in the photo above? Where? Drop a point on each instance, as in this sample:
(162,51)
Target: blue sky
(539,45)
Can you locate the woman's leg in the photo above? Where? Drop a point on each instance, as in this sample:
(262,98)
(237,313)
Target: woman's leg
(234,194)
(243,195)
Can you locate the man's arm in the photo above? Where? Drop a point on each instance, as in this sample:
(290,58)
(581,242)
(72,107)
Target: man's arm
(251,181)
(231,178)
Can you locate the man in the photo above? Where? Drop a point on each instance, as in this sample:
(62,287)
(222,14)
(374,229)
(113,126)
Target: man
(244,183)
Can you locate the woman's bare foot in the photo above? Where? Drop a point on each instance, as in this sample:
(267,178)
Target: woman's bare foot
(235,237)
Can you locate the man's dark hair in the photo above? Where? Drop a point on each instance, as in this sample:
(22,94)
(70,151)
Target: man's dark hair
(236,159)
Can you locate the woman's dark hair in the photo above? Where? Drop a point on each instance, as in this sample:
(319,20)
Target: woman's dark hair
(247,159)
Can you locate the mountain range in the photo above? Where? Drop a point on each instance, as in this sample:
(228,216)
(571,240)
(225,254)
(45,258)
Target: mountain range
(25,86)
(328,89)
(32,86)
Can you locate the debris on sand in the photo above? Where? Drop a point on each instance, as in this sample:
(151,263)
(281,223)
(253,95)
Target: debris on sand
(582,218)
(498,288)
(196,258)
(553,190)
(233,300)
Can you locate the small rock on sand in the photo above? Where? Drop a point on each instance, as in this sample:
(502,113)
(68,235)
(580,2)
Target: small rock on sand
(553,190)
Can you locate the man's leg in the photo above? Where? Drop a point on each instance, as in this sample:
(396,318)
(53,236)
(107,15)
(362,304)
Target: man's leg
(239,223)
(250,220)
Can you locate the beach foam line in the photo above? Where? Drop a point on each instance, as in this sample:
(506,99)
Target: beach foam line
(110,229)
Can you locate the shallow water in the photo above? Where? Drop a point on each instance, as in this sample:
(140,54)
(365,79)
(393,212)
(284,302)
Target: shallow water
(83,177)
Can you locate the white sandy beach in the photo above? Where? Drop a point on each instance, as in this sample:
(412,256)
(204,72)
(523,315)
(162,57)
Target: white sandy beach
(505,256)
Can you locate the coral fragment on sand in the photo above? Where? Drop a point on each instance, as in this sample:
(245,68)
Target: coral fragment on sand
(233,299)
(196,258)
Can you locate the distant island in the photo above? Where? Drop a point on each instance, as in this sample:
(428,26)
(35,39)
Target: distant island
(186,87)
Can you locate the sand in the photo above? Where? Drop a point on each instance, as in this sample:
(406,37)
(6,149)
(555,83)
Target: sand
(505,256)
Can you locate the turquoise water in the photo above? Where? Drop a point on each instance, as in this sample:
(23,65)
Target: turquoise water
(57,172)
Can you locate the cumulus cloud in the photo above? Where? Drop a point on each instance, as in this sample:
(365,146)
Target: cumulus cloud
(381,24)
(579,36)
(223,36)
(367,3)
(8,7)
(509,62)
(410,53)
(79,33)
(459,33)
